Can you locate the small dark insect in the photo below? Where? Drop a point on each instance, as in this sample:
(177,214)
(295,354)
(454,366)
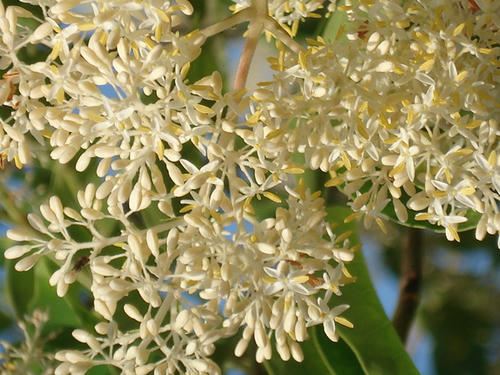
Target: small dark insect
(363,30)
(80,263)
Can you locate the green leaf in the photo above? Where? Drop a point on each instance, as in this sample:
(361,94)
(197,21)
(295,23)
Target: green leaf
(19,288)
(61,312)
(339,355)
(373,338)
(101,370)
(321,356)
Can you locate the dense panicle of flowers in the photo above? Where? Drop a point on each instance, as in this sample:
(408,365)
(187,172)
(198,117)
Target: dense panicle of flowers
(268,279)
(16,84)
(398,108)
(401,108)
(273,277)
(289,12)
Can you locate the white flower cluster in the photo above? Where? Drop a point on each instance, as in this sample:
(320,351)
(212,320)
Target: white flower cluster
(267,280)
(13,37)
(400,108)
(286,11)
(404,111)
(273,278)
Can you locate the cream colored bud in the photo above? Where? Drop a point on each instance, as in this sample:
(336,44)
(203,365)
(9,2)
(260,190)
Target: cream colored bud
(152,242)
(27,263)
(283,351)
(296,351)
(241,347)
(17,251)
(260,334)
(87,338)
(265,248)
(19,235)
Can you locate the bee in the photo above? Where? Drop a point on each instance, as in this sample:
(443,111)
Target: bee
(80,263)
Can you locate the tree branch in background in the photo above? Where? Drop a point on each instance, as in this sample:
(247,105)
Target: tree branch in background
(254,32)
(411,281)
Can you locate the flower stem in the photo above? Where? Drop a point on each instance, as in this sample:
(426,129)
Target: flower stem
(235,19)
(410,284)
(279,33)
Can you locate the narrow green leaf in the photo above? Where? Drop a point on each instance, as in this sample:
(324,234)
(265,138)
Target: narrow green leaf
(321,356)
(373,339)
(339,356)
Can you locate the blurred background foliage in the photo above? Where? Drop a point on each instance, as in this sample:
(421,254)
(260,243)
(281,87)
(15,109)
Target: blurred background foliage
(457,330)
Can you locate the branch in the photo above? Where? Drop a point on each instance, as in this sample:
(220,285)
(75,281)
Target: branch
(255,28)
(246,57)
(411,281)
